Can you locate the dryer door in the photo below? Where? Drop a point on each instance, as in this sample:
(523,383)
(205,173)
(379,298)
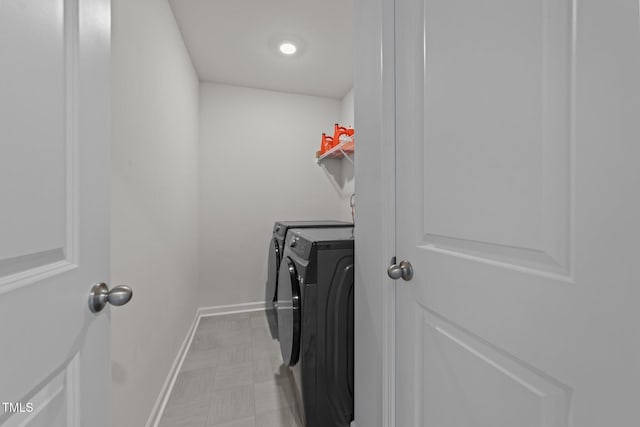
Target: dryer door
(275,254)
(289,312)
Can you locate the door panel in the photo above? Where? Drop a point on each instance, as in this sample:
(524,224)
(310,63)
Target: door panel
(465,380)
(36,217)
(48,408)
(34,129)
(516,165)
(496,108)
(54,128)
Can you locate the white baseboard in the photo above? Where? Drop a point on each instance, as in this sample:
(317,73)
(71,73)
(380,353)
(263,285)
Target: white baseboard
(165,392)
(228,309)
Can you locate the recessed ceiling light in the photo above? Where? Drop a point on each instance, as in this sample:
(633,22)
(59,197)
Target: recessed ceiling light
(288,48)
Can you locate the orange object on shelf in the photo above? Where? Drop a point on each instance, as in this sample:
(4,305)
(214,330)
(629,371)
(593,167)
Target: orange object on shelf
(342,138)
(338,131)
(346,148)
(326,144)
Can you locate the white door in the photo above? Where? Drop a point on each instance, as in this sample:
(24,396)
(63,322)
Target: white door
(518,142)
(54,147)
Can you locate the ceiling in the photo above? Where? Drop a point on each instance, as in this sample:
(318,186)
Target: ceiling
(236,42)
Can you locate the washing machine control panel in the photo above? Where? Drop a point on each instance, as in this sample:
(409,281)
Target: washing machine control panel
(298,246)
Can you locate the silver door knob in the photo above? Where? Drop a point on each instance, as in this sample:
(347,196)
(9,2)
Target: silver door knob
(404,270)
(101,295)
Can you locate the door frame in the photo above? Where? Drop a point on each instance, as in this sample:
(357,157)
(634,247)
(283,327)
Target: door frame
(374,99)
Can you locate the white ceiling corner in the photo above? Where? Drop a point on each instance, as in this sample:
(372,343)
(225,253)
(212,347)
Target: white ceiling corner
(236,42)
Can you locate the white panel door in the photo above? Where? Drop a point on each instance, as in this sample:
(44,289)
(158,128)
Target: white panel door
(54,146)
(518,142)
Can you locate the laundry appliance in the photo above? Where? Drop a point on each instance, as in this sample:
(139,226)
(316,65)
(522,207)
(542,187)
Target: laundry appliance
(315,322)
(280,230)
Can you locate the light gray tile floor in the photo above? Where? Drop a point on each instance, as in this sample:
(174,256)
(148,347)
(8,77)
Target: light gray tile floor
(233,376)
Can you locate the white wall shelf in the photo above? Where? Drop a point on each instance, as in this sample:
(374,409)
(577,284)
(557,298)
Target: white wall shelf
(343,150)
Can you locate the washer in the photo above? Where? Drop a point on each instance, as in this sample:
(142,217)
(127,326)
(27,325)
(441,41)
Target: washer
(276,246)
(315,322)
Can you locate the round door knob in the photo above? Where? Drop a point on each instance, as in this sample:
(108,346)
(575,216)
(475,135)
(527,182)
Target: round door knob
(101,295)
(404,270)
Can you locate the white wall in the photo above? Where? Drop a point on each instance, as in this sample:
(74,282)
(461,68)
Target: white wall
(347,171)
(347,109)
(153,201)
(257,165)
